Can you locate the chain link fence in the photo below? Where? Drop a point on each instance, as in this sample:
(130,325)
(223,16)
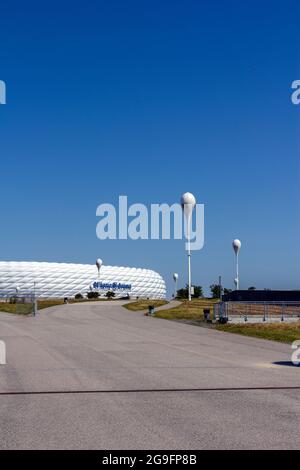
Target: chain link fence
(257,311)
(21,304)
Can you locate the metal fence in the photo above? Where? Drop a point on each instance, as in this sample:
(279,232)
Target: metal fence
(263,311)
(22,304)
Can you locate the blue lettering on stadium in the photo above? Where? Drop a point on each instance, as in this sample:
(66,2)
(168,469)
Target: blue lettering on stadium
(111,285)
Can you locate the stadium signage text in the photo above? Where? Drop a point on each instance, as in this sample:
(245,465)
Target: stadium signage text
(111,285)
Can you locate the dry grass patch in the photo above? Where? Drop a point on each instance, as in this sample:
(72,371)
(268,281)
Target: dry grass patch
(143,304)
(7,307)
(188,310)
(283,332)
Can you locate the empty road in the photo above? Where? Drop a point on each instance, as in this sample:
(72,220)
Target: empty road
(96,376)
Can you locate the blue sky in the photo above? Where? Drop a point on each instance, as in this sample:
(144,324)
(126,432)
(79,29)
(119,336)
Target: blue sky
(152,99)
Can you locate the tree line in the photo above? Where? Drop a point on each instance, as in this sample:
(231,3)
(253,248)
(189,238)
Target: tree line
(198,291)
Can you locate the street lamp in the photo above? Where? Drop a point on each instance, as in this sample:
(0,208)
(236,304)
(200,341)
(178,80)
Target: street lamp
(175,277)
(188,202)
(236,245)
(99,264)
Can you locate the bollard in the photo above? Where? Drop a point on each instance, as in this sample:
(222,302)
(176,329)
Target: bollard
(206,313)
(151,309)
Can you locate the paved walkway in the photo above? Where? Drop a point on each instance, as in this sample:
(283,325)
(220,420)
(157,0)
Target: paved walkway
(90,376)
(171,304)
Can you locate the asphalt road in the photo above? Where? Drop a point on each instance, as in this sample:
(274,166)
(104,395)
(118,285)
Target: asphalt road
(141,383)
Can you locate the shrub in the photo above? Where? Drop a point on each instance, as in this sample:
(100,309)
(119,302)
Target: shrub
(78,296)
(93,295)
(110,294)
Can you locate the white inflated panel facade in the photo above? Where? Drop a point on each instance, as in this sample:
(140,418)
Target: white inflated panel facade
(54,280)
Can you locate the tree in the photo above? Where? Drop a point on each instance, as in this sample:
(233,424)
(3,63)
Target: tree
(252,288)
(78,296)
(227,291)
(198,292)
(183,293)
(215,291)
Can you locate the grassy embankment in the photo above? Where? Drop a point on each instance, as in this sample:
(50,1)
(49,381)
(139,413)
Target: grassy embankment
(283,332)
(26,308)
(193,311)
(188,310)
(143,304)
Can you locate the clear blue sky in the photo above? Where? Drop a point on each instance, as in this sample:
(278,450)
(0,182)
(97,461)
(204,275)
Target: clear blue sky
(152,99)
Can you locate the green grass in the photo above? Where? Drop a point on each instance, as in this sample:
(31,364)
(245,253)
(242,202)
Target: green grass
(26,308)
(22,309)
(192,310)
(143,304)
(285,333)
(8,308)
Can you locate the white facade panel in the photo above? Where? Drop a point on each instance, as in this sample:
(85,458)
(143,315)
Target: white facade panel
(53,280)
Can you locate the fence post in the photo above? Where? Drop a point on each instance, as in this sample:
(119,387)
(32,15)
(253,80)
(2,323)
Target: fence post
(265,309)
(282,312)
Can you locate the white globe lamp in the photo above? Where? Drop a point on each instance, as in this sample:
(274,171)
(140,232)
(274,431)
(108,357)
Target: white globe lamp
(188,203)
(175,278)
(236,245)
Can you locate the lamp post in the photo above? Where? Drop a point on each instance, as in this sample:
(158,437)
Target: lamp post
(175,277)
(188,202)
(236,245)
(99,264)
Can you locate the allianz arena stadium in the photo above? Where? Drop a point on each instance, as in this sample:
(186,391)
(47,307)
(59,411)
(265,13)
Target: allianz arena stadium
(57,280)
